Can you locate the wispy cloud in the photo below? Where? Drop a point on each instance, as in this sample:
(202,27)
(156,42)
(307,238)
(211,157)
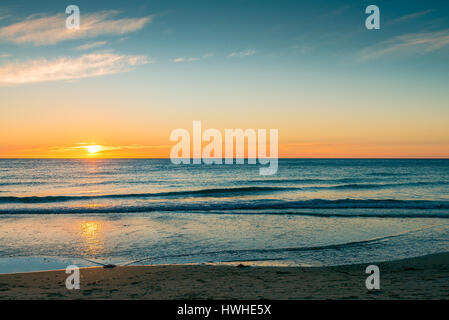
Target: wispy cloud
(204,56)
(5,13)
(67,68)
(91,45)
(245,53)
(44,30)
(185,59)
(413,15)
(408,43)
(5,55)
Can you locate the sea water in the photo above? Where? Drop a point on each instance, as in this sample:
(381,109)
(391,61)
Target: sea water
(56,212)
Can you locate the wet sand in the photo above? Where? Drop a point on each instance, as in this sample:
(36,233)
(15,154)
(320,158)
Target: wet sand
(416,278)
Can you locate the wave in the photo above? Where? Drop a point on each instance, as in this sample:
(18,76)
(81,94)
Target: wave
(385,185)
(339,184)
(214,192)
(270,250)
(345,184)
(23,183)
(295,180)
(316,207)
(383,174)
(244,254)
(239,252)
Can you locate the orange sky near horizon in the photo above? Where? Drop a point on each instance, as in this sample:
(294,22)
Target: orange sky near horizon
(42,125)
(305,150)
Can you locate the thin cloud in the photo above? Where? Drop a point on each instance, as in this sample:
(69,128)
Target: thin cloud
(67,68)
(185,59)
(5,13)
(5,55)
(408,43)
(45,30)
(413,15)
(91,45)
(85,146)
(245,53)
(181,59)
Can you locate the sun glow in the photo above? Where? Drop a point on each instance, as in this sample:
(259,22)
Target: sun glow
(93,148)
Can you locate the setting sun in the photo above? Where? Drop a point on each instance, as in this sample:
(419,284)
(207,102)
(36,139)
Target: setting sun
(94,148)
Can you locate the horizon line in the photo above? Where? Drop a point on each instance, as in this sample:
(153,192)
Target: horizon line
(279,158)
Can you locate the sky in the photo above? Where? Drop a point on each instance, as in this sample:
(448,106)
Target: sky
(137,70)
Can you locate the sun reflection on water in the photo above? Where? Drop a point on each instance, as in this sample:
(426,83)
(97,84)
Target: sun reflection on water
(92,234)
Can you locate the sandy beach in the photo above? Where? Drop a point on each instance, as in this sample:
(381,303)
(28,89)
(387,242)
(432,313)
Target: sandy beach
(416,278)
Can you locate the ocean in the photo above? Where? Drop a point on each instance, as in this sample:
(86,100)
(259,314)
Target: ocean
(313,212)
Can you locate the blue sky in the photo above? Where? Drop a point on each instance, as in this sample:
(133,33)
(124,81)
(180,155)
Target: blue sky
(271,26)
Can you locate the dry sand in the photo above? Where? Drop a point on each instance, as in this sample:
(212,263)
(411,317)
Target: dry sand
(417,278)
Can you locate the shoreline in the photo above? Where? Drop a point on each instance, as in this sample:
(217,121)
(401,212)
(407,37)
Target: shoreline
(425,277)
